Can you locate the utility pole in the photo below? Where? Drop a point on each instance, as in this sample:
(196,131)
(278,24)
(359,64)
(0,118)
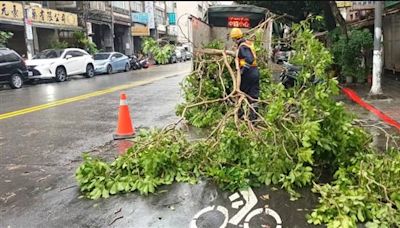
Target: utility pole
(376,89)
(28,30)
(112,26)
(130,31)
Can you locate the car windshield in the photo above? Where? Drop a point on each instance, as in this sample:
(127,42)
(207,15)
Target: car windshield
(49,54)
(101,56)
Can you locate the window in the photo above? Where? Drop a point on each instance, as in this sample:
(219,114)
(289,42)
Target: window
(101,56)
(77,54)
(10,57)
(69,53)
(160,17)
(65,34)
(118,55)
(120,4)
(170,6)
(49,54)
(160,4)
(200,8)
(99,5)
(137,6)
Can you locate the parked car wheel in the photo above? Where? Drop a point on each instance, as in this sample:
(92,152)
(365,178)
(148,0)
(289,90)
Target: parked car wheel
(126,67)
(16,81)
(89,71)
(61,74)
(109,69)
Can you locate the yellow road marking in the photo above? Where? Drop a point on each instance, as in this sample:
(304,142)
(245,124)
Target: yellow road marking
(80,97)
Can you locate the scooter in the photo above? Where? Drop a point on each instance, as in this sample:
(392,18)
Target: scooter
(144,62)
(134,62)
(289,75)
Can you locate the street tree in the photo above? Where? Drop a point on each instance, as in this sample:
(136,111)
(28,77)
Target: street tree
(299,10)
(376,89)
(4,37)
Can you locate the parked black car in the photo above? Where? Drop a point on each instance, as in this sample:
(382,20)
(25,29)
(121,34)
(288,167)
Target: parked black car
(12,68)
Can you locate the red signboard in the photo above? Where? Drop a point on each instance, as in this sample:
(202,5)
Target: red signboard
(239,22)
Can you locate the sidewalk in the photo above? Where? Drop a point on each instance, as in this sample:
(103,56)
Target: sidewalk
(391,88)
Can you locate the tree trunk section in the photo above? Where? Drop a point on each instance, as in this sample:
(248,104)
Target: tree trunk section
(338,17)
(329,18)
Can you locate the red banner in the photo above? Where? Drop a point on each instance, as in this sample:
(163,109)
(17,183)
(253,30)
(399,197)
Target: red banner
(354,96)
(238,22)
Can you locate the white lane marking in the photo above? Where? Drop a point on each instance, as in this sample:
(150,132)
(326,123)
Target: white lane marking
(224,211)
(204,210)
(221,209)
(234,196)
(251,201)
(259,211)
(237,204)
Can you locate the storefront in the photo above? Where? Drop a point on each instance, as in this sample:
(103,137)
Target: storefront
(122,32)
(161,31)
(99,29)
(139,29)
(50,26)
(12,20)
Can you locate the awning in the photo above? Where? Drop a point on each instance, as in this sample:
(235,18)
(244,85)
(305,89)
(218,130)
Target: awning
(218,15)
(53,26)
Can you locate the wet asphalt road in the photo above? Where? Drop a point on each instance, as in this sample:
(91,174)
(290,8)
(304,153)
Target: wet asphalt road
(40,151)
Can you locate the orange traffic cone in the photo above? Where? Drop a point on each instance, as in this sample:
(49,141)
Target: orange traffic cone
(125,128)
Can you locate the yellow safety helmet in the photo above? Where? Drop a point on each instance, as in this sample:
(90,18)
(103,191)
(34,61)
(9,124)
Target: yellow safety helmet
(236,33)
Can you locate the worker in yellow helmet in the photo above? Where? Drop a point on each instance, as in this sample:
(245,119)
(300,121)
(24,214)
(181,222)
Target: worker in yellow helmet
(250,76)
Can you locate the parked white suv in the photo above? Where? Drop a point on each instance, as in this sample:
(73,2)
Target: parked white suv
(60,63)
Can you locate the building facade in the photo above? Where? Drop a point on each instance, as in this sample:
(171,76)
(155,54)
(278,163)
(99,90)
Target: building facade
(356,10)
(111,25)
(155,19)
(121,17)
(36,25)
(184,9)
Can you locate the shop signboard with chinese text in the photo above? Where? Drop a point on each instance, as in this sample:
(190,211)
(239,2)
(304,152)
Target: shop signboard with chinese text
(140,30)
(344,4)
(142,18)
(171,18)
(238,22)
(11,10)
(49,16)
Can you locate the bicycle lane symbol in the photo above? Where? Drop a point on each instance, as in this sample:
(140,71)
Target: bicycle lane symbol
(251,200)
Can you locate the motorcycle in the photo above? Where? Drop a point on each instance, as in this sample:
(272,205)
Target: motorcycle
(144,62)
(289,75)
(134,63)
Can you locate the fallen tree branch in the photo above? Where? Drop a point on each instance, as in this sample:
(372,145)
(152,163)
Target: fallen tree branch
(210,51)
